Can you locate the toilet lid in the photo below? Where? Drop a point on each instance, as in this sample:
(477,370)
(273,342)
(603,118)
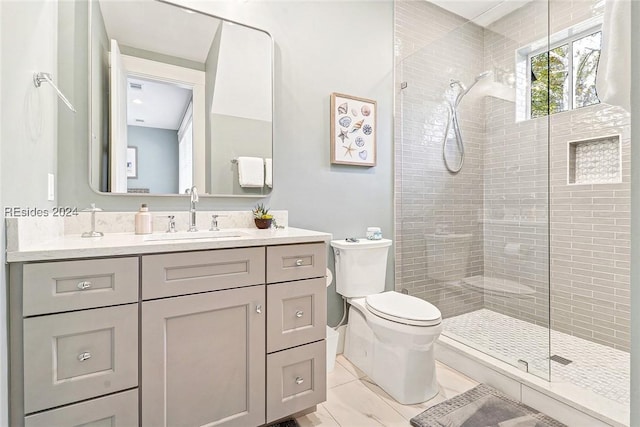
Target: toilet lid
(403,308)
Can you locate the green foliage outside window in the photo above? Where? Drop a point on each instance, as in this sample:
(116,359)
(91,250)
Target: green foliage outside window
(550,76)
(549,72)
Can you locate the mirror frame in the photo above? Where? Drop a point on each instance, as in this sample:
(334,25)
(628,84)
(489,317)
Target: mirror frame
(90,154)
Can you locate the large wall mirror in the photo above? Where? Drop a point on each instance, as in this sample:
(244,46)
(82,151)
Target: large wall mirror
(178,98)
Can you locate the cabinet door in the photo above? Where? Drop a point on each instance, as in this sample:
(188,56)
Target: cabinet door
(79,355)
(116,410)
(296,379)
(169,275)
(295,262)
(51,287)
(296,313)
(203,359)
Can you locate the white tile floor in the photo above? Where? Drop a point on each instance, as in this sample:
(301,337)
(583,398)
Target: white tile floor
(595,367)
(353,400)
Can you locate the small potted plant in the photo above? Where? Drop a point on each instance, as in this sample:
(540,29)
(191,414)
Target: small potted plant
(262,217)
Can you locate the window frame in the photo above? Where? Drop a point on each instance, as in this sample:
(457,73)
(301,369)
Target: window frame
(568,37)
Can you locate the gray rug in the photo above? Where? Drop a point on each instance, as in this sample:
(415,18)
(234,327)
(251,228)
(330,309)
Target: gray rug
(286,423)
(482,406)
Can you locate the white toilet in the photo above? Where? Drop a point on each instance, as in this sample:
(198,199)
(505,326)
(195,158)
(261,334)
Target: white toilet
(390,336)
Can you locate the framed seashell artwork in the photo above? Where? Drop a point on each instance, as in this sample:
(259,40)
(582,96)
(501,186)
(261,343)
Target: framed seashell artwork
(353,130)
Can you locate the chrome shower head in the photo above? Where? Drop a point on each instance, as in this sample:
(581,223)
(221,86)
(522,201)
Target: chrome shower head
(464,90)
(483,75)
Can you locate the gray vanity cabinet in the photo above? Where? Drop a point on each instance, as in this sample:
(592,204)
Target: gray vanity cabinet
(224,337)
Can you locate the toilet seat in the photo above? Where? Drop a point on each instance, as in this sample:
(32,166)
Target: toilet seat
(401,308)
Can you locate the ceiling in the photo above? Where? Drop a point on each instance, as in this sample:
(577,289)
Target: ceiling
(156,104)
(481,12)
(159,27)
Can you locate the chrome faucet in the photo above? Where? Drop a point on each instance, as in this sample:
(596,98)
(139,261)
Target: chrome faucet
(193,191)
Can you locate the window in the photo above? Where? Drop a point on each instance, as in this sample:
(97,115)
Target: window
(564,77)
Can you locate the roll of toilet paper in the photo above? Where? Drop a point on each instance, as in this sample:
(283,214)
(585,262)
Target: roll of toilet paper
(512,249)
(329,277)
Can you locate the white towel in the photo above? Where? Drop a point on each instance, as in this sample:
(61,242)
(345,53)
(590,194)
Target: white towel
(613,81)
(251,171)
(268,172)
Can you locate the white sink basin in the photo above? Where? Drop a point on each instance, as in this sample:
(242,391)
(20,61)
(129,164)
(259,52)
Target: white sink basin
(195,235)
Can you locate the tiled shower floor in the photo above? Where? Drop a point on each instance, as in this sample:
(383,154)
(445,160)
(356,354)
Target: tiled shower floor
(595,367)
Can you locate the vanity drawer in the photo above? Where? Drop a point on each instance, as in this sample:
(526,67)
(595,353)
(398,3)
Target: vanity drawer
(293,262)
(296,380)
(118,410)
(296,313)
(74,356)
(187,273)
(52,287)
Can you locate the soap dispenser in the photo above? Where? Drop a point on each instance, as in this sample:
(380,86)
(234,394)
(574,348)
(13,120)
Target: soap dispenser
(144,221)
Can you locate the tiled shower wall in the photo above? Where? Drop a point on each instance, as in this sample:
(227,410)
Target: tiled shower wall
(500,197)
(438,236)
(589,224)
(516,231)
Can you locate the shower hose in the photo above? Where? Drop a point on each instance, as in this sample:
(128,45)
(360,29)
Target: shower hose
(452,120)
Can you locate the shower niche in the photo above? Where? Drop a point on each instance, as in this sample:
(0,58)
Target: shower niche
(595,161)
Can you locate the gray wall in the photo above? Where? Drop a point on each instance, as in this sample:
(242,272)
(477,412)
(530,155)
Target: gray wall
(234,137)
(311,61)
(30,114)
(157,159)
(28,43)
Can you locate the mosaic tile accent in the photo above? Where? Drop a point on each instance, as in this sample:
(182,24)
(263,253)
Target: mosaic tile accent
(595,161)
(596,367)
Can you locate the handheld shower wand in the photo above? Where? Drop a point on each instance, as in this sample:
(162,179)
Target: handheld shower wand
(452,120)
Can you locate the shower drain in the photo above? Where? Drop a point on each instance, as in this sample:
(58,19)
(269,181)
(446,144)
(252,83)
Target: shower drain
(560,359)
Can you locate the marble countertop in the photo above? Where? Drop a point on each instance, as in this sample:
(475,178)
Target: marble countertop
(48,238)
(114,244)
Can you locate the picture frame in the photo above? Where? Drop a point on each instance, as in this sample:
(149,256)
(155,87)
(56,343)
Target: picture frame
(132,162)
(353,130)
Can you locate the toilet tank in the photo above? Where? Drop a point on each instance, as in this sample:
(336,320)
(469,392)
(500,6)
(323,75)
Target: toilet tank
(361,267)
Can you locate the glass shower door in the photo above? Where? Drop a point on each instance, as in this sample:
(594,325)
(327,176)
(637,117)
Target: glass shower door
(473,242)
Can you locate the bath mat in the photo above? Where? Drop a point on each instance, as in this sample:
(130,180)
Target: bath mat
(482,406)
(286,423)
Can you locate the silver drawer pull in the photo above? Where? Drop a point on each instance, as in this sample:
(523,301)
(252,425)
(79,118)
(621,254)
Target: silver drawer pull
(84,356)
(299,380)
(259,309)
(85,284)
(299,313)
(298,262)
